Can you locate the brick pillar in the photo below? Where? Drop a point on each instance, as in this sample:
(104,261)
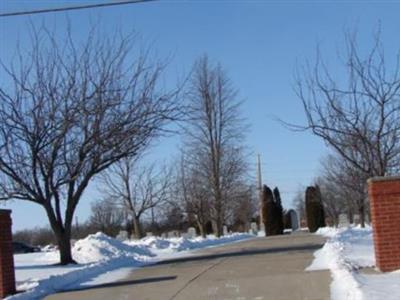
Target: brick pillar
(7,275)
(384,195)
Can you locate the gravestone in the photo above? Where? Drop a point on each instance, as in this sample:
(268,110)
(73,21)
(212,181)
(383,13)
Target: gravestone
(164,235)
(122,235)
(356,219)
(294,220)
(225,230)
(343,220)
(149,233)
(191,232)
(173,234)
(253,228)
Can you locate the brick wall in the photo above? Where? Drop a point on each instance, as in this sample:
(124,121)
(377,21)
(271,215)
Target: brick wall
(384,193)
(7,276)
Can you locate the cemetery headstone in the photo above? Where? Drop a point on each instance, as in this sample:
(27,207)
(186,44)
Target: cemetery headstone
(356,219)
(191,232)
(253,228)
(294,220)
(122,235)
(225,230)
(173,234)
(343,220)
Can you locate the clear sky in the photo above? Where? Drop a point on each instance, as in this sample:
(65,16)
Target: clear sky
(258,42)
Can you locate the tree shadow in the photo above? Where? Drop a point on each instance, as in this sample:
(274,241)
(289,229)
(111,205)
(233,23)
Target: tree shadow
(120,283)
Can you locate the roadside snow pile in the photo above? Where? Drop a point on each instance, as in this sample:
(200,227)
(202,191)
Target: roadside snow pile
(101,259)
(346,251)
(161,246)
(353,244)
(199,242)
(100,247)
(327,231)
(96,254)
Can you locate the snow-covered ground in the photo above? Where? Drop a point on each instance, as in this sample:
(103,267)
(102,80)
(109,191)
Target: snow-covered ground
(101,259)
(346,251)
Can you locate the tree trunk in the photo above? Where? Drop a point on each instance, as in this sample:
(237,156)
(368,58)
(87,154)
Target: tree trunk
(350,216)
(218,227)
(137,228)
(201,229)
(63,236)
(361,212)
(219,220)
(64,247)
(336,220)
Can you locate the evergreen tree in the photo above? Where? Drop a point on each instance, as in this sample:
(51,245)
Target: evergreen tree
(273,211)
(278,211)
(314,209)
(267,203)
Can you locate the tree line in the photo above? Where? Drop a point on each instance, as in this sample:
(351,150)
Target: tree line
(357,115)
(72,113)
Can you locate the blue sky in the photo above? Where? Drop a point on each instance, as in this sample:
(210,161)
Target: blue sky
(258,42)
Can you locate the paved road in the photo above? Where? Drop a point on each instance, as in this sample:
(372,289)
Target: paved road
(257,269)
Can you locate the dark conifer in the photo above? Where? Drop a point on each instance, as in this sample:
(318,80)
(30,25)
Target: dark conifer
(314,209)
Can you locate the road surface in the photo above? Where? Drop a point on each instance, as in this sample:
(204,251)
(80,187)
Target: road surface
(257,269)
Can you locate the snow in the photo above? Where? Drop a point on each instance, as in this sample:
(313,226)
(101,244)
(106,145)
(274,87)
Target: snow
(100,247)
(346,251)
(162,246)
(101,259)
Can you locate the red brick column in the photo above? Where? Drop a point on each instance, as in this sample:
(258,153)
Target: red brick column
(7,275)
(384,195)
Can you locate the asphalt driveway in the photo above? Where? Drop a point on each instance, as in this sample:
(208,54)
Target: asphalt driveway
(258,269)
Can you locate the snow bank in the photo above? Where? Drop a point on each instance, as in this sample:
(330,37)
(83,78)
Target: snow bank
(97,254)
(346,251)
(100,247)
(157,244)
(101,259)
(72,279)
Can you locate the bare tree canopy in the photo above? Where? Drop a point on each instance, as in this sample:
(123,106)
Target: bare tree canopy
(192,193)
(106,216)
(358,114)
(70,110)
(344,189)
(136,189)
(214,137)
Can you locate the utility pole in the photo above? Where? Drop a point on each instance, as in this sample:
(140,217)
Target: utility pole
(259,189)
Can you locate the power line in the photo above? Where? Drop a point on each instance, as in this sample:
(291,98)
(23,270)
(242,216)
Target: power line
(48,10)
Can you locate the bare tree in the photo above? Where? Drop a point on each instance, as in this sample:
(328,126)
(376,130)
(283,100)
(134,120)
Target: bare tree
(332,198)
(299,204)
(136,189)
(357,115)
(244,209)
(214,136)
(193,194)
(71,110)
(106,217)
(348,184)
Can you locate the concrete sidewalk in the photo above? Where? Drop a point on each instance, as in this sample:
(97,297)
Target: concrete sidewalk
(259,269)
